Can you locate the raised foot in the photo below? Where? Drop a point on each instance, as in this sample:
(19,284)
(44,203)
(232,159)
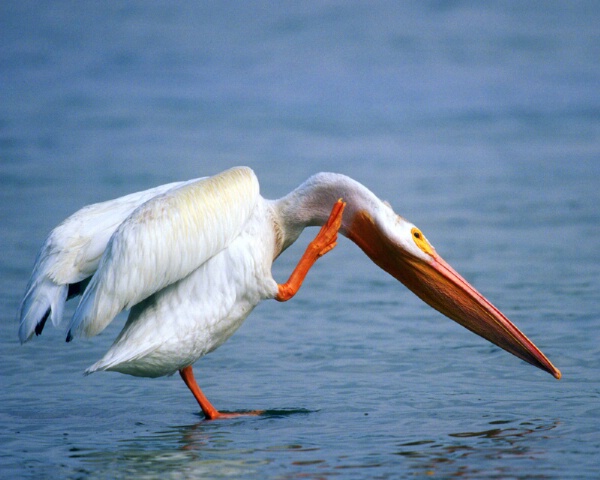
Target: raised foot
(229,415)
(326,239)
(324,242)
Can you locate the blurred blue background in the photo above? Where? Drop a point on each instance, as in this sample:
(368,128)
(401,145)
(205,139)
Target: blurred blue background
(478,121)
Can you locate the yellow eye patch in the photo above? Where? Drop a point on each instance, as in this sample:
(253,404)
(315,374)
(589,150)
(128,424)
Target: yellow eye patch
(421,241)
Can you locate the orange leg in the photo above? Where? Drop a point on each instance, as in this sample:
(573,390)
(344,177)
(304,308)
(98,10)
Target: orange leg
(325,241)
(210,412)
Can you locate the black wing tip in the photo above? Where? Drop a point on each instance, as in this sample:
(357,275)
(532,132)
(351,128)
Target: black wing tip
(40,325)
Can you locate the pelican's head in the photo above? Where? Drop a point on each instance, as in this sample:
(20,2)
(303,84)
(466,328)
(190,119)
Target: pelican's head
(401,249)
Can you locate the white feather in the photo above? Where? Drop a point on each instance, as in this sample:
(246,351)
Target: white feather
(71,253)
(190,318)
(163,241)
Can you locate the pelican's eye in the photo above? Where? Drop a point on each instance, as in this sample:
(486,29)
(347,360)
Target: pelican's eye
(421,241)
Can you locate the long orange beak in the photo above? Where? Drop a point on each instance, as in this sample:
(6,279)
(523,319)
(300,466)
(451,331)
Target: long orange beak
(441,287)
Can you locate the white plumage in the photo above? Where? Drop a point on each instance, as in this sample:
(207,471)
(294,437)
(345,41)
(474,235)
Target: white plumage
(192,259)
(194,315)
(164,240)
(71,254)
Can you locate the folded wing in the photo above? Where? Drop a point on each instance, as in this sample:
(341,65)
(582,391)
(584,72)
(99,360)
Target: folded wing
(163,241)
(70,255)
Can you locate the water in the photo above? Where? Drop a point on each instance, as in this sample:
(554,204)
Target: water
(478,121)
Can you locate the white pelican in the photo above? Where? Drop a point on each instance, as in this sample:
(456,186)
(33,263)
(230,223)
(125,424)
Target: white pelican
(192,259)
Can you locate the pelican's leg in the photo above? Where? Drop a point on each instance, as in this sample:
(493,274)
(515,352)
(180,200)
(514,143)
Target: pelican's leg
(210,412)
(325,241)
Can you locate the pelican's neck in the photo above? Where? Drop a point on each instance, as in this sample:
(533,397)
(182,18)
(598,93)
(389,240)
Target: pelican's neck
(310,205)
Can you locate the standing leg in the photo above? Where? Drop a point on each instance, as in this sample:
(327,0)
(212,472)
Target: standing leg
(210,412)
(325,241)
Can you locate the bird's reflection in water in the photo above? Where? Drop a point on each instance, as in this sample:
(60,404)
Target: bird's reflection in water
(204,449)
(216,449)
(203,434)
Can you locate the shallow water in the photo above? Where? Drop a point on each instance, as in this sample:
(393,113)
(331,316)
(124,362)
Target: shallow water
(480,123)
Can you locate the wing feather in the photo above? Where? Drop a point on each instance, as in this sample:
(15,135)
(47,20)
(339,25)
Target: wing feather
(70,254)
(163,241)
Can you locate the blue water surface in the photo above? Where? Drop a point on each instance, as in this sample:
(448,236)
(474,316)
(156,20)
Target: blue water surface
(478,121)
